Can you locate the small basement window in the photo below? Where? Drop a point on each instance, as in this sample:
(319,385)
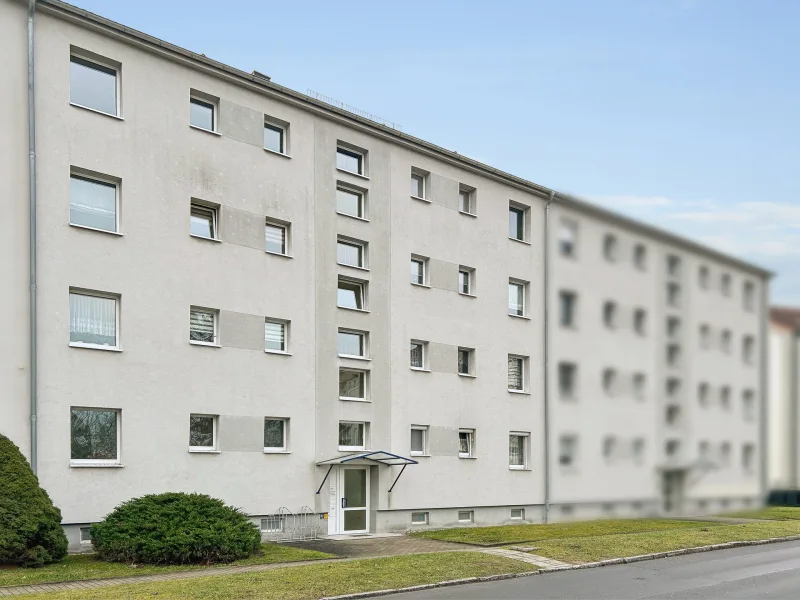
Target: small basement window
(419,518)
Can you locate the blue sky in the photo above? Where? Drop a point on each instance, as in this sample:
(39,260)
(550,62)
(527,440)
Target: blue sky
(683,113)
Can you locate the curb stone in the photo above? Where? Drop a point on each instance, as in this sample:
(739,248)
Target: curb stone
(590,565)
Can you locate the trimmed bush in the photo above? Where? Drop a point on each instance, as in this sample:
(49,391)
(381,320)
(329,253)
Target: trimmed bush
(176,529)
(30,526)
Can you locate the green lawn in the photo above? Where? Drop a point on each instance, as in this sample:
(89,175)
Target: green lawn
(516,534)
(589,549)
(779,513)
(313,581)
(87,566)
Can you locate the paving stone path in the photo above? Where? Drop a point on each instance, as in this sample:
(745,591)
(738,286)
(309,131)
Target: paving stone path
(533,559)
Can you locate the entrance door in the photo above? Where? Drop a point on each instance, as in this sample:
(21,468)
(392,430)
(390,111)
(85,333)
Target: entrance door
(354,500)
(672,491)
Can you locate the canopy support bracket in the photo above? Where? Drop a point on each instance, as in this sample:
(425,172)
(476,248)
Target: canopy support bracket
(398,477)
(326,478)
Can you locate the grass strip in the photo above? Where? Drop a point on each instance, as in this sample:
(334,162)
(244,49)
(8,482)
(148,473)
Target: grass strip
(776,513)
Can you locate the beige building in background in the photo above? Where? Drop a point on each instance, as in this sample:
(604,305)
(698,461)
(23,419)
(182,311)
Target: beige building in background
(247,292)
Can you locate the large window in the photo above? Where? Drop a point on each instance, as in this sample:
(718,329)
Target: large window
(351,294)
(350,202)
(277,238)
(202,114)
(93,85)
(518,450)
(203,433)
(93,203)
(516,373)
(202,326)
(350,253)
(275,435)
(466,443)
(276,336)
(203,221)
(93,320)
(352,435)
(94,435)
(352,385)
(350,160)
(351,343)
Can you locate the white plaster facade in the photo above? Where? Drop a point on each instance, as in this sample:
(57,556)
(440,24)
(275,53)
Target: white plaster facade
(784,399)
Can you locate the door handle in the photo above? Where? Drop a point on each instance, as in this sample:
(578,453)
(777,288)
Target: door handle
(344,502)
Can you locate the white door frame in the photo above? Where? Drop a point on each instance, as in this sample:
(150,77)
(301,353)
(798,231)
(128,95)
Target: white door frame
(340,495)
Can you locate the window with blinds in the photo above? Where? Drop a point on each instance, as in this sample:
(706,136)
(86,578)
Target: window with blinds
(276,238)
(93,203)
(517,451)
(203,221)
(92,320)
(202,326)
(516,379)
(275,336)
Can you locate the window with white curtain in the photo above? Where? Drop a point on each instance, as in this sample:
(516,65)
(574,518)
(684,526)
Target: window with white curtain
(351,343)
(277,238)
(516,373)
(202,326)
(93,320)
(518,450)
(350,253)
(352,435)
(93,203)
(94,435)
(276,335)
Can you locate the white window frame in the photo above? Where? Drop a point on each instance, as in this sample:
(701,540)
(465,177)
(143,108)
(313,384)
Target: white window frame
(573,322)
(353,243)
(572,368)
(361,293)
(425,518)
(567,441)
(283,127)
(673,294)
(466,516)
(703,393)
(526,449)
(748,457)
(364,335)
(523,373)
(424,351)
(523,285)
(104,63)
(88,531)
(610,247)
(640,257)
(286,330)
(274,524)
(609,447)
(469,272)
(365,384)
(422,177)
(520,516)
(285,448)
(468,193)
(364,438)
(214,210)
(424,451)
(214,448)
(287,236)
(470,443)
(674,264)
(196,97)
(423,261)
(638,449)
(98,462)
(102,179)
(749,404)
(524,212)
(703,277)
(354,152)
(116,298)
(215,313)
(470,361)
(362,200)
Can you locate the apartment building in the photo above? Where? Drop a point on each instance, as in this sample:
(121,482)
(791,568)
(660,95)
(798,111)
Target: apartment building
(246,292)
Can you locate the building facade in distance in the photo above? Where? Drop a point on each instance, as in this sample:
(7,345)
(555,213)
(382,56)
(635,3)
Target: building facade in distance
(246,292)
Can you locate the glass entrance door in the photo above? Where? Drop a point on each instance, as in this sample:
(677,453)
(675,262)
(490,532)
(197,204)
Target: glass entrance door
(355,500)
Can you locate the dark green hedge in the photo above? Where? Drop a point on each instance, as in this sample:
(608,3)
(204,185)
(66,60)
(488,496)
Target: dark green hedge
(30,526)
(175,528)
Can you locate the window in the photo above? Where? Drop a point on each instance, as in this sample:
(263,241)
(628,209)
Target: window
(672,447)
(203,221)
(202,433)
(749,405)
(673,387)
(350,201)
(350,160)
(516,373)
(202,114)
(517,298)
(94,435)
(418,184)
(610,247)
(640,257)
(673,265)
(640,321)
(673,295)
(418,270)
(567,375)
(277,238)
(567,303)
(465,516)
(639,385)
(749,296)
(703,449)
(673,327)
(518,513)
(725,341)
(466,443)
(725,454)
(705,336)
(672,414)
(610,314)
(350,253)
(567,449)
(748,349)
(419,440)
(748,454)
(703,393)
(275,434)
(351,294)
(465,277)
(725,284)
(93,85)
(202,326)
(273,524)
(418,355)
(609,447)
(518,450)
(93,203)
(93,320)
(703,277)
(610,381)
(517,215)
(419,518)
(466,200)
(637,448)
(465,361)
(725,397)
(351,343)
(86,535)
(352,436)
(567,238)
(275,137)
(352,385)
(276,336)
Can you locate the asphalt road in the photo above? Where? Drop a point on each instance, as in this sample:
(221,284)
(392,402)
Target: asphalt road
(755,572)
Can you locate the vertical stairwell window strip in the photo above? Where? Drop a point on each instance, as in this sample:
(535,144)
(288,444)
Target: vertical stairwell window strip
(93,203)
(92,321)
(203,326)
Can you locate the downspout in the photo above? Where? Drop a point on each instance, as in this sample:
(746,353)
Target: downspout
(34,399)
(546,356)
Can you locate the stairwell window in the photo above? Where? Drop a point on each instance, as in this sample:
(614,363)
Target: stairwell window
(93,320)
(276,336)
(351,343)
(351,294)
(350,201)
(94,85)
(352,435)
(203,433)
(352,385)
(203,220)
(203,326)
(94,202)
(94,436)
